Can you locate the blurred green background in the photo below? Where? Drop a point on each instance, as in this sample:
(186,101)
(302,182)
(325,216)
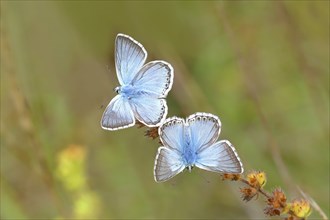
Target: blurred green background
(262,66)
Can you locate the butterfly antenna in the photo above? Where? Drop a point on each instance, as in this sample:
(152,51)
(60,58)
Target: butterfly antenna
(173,183)
(108,68)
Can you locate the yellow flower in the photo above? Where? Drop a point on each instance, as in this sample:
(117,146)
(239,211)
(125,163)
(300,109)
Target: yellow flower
(257,179)
(300,208)
(87,205)
(71,167)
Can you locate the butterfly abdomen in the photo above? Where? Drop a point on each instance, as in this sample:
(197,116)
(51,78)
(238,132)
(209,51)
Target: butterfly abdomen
(189,156)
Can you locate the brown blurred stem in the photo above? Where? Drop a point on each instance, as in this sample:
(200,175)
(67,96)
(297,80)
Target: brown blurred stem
(310,75)
(24,118)
(251,90)
(263,192)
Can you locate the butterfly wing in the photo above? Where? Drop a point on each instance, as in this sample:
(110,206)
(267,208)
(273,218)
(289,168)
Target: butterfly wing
(220,157)
(171,133)
(118,114)
(155,78)
(130,56)
(204,129)
(149,110)
(168,163)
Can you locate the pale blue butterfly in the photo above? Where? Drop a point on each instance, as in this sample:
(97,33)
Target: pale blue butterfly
(142,90)
(192,142)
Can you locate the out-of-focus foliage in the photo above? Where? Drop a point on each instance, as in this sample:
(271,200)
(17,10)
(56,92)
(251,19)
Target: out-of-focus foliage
(71,173)
(262,66)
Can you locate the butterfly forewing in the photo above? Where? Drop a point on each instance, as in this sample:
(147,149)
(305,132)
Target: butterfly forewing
(171,133)
(204,129)
(117,115)
(220,157)
(130,56)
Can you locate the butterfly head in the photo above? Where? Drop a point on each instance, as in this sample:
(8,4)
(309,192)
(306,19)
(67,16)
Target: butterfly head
(117,89)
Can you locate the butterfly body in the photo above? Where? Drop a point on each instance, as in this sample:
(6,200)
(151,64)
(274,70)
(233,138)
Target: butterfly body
(189,154)
(192,142)
(143,87)
(129,91)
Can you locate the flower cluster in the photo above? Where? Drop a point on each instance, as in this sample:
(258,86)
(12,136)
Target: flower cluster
(231,176)
(152,132)
(276,201)
(298,208)
(255,181)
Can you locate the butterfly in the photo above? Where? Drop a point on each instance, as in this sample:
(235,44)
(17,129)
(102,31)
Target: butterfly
(192,142)
(143,87)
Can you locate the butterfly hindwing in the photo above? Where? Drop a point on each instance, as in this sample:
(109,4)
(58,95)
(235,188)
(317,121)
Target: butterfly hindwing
(155,78)
(220,157)
(117,115)
(149,110)
(168,163)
